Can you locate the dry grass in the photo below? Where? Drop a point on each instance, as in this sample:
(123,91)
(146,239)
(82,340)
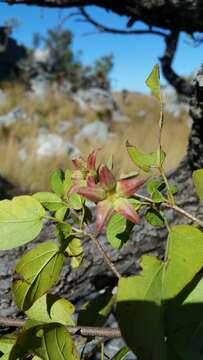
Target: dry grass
(47,113)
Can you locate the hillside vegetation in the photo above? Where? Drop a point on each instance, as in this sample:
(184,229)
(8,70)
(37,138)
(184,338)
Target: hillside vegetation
(58,113)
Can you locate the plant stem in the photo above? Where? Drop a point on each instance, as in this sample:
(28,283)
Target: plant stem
(74,330)
(184,213)
(174,207)
(170,196)
(104,254)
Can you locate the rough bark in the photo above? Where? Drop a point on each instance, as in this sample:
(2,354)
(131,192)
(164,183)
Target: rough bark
(93,275)
(160,13)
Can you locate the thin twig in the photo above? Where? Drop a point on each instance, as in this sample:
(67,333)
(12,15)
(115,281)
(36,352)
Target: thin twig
(103,28)
(104,254)
(173,207)
(74,330)
(184,213)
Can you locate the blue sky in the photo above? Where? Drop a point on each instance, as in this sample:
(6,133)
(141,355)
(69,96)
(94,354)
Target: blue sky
(134,56)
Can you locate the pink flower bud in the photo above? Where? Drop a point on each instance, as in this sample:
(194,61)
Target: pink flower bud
(123,207)
(127,187)
(94,194)
(106,178)
(90,181)
(79,163)
(91,160)
(104,212)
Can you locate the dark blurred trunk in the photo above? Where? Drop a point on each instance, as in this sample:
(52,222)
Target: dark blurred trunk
(93,274)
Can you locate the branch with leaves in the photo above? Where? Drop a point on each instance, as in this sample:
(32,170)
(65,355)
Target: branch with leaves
(149,307)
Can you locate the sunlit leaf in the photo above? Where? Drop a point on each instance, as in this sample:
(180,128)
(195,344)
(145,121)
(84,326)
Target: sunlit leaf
(146,162)
(21,220)
(118,231)
(50,201)
(56,181)
(198,181)
(35,273)
(52,308)
(153,82)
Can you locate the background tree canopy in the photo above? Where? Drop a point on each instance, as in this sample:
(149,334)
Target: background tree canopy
(171,16)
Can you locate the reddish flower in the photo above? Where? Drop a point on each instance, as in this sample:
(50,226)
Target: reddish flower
(110,195)
(104,211)
(125,208)
(106,178)
(128,187)
(91,160)
(94,194)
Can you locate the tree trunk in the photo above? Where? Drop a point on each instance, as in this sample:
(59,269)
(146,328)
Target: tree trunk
(93,274)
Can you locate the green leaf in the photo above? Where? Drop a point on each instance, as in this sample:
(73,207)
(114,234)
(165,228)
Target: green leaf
(185,321)
(118,231)
(21,220)
(154,217)
(96,311)
(185,258)
(48,342)
(51,308)
(146,162)
(67,181)
(139,310)
(61,213)
(35,273)
(198,181)
(155,188)
(153,82)
(165,301)
(6,344)
(49,200)
(154,185)
(56,181)
(75,201)
(121,354)
(129,175)
(62,232)
(75,250)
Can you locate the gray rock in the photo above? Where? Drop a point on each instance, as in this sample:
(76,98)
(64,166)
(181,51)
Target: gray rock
(49,144)
(13,116)
(141,114)
(63,126)
(97,131)
(78,121)
(23,154)
(2,97)
(96,99)
(118,117)
(41,55)
(40,86)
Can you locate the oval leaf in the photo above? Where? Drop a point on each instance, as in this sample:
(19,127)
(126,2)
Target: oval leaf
(146,162)
(185,258)
(139,310)
(49,200)
(35,273)
(153,82)
(48,342)
(21,220)
(198,181)
(52,308)
(56,181)
(118,231)
(154,217)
